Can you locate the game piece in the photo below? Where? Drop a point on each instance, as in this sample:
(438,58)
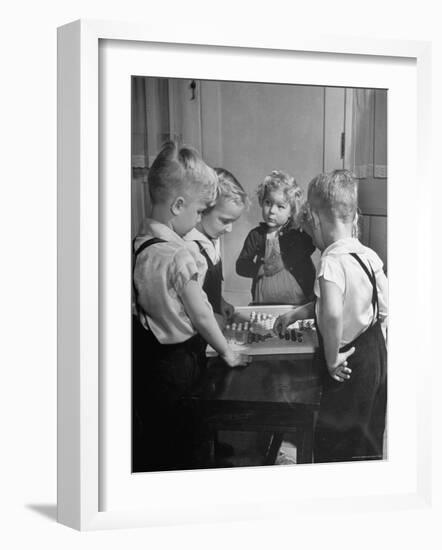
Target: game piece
(228,333)
(237,332)
(242,335)
(258,327)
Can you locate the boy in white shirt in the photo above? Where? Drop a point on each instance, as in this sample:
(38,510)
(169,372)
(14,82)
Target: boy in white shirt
(350,307)
(174,320)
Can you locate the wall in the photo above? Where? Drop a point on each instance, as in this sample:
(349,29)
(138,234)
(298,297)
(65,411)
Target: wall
(261,127)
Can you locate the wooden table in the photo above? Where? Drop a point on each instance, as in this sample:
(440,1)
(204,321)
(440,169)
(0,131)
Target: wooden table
(278,392)
(266,396)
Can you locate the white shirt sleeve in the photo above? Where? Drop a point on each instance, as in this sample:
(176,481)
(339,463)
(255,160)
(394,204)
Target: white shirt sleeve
(331,270)
(182,270)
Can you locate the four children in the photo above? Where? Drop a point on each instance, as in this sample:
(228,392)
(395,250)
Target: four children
(178,294)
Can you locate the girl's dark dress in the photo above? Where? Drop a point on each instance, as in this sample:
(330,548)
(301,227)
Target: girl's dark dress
(296,249)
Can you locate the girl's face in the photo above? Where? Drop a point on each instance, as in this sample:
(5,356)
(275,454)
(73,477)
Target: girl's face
(220,218)
(275,209)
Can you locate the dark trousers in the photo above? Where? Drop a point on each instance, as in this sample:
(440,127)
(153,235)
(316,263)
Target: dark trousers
(165,425)
(351,420)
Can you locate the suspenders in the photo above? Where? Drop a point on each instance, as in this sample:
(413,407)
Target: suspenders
(145,245)
(372,277)
(213,280)
(205,254)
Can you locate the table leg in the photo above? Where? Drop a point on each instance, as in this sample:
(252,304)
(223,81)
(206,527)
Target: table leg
(273,449)
(304,438)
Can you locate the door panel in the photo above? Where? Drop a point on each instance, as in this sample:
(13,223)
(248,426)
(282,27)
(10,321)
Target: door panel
(378,237)
(373,231)
(380,128)
(211,133)
(334,117)
(185,111)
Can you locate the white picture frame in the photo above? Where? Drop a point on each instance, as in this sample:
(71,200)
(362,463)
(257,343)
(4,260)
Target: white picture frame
(80,293)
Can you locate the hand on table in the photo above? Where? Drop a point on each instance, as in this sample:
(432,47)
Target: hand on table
(283,321)
(235,359)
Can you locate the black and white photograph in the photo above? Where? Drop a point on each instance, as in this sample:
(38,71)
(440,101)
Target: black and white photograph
(193,355)
(259,274)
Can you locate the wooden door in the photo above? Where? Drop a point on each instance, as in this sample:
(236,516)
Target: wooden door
(366,155)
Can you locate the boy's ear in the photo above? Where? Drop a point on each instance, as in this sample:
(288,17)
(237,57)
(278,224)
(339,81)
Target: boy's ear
(177,205)
(314,218)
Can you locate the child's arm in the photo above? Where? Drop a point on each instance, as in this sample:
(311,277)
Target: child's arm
(330,320)
(204,321)
(302,312)
(250,259)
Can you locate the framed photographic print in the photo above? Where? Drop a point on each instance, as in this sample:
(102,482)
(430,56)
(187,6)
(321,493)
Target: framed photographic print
(282,110)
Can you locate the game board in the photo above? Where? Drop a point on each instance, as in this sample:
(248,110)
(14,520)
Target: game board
(250,332)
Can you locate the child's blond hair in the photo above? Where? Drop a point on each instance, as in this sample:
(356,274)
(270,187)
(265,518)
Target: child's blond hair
(336,194)
(180,171)
(229,188)
(278,180)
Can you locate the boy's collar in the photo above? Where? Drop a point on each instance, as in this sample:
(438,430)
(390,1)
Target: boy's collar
(344,246)
(154,228)
(196,234)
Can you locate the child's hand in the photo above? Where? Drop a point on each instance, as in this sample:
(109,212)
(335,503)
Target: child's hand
(271,269)
(340,371)
(260,272)
(273,265)
(227,309)
(234,359)
(283,321)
